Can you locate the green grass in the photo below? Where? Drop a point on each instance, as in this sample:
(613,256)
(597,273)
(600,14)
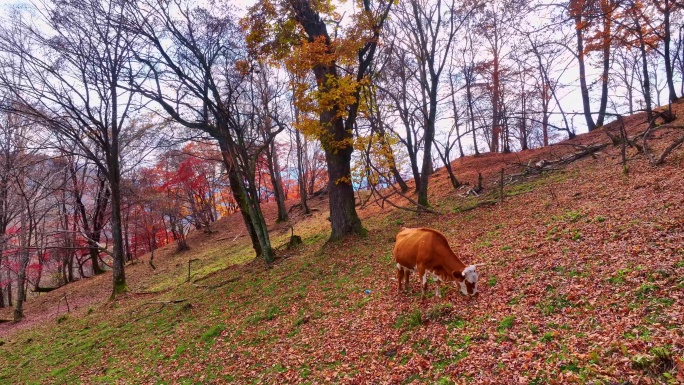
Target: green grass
(619,278)
(409,321)
(212,333)
(506,323)
(645,290)
(299,303)
(547,337)
(553,304)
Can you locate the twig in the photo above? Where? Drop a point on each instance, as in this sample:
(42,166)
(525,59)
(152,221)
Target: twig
(420,209)
(65,300)
(189,262)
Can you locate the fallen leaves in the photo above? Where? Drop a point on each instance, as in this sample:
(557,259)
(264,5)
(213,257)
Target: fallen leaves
(589,277)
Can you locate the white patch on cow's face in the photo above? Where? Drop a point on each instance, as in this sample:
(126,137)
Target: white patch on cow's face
(464,291)
(470,275)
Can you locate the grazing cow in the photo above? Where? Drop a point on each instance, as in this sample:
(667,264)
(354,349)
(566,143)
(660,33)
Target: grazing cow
(427,251)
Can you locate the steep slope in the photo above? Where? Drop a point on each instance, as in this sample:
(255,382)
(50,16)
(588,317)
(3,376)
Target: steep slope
(582,284)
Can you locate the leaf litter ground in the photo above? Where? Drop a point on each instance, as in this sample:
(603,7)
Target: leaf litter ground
(583,283)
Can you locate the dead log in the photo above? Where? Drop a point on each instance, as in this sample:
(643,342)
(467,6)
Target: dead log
(44,289)
(321,192)
(546,165)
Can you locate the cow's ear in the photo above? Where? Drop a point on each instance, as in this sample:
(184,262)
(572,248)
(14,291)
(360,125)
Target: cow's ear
(458,275)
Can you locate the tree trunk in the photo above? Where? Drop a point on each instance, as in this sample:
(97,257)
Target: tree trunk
(301,178)
(646,83)
(21,286)
(3,223)
(586,103)
(240,199)
(114,178)
(101,202)
(607,22)
(243,183)
(70,266)
(276,181)
(669,72)
(496,113)
(411,147)
(2,249)
(428,140)
(393,164)
(452,177)
(469,96)
(336,137)
(455,112)
(249,191)
(545,117)
(24,256)
(118,273)
(343,217)
(9,289)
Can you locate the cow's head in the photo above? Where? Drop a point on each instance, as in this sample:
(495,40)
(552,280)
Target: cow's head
(467,279)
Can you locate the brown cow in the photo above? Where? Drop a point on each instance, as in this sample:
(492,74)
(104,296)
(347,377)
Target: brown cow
(427,251)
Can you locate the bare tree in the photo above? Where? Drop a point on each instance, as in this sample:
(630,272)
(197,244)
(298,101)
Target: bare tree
(399,91)
(11,150)
(430,28)
(269,93)
(197,72)
(33,179)
(74,73)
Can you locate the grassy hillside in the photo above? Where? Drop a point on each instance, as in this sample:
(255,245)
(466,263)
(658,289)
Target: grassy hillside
(583,283)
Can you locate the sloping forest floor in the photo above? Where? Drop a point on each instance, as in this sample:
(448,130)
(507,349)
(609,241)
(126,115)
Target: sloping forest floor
(583,283)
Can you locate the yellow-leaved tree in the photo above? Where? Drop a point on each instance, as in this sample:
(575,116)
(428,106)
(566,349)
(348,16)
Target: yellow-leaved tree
(296,33)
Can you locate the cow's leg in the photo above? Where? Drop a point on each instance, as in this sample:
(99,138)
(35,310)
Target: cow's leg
(406,282)
(400,276)
(439,293)
(422,274)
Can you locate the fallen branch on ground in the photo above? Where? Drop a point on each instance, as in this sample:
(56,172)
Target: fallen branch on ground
(44,289)
(163,304)
(471,191)
(549,165)
(215,286)
(656,161)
